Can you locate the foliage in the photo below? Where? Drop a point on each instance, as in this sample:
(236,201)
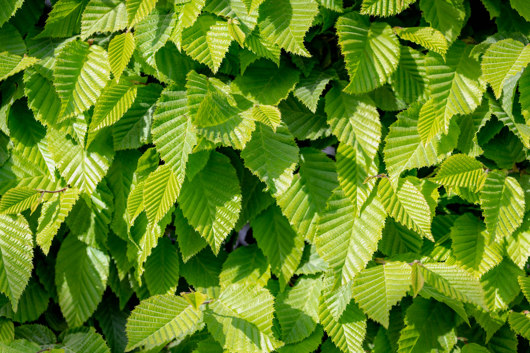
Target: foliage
(251,176)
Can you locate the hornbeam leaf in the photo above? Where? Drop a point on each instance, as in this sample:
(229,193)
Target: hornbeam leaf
(384,7)
(162,268)
(427,37)
(207,41)
(152,33)
(81,72)
(470,246)
(502,60)
(11,64)
(347,242)
(279,242)
(17,256)
(160,319)
(518,243)
(189,240)
(460,170)
(524,282)
(272,156)
(267,83)
(354,168)
(447,16)
(429,326)
(79,297)
(309,89)
(310,344)
(113,103)
(211,201)
(161,190)
(267,114)
(285,22)
(377,289)
(9,8)
(103,16)
(371,52)
(246,264)
(81,168)
(520,323)
(17,200)
(297,309)
(407,205)
(353,119)
(137,10)
(500,285)
(64,20)
(409,80)
(235,10)
(52,215)
(241,319)
(121,49)
(502,200)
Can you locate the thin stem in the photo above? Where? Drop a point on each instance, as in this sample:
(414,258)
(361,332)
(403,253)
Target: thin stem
(52,191)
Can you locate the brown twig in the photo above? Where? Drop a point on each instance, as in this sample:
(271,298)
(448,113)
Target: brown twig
(51,192)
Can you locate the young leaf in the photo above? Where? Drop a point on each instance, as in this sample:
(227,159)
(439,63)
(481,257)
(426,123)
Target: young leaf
(17,200)
(103,16)
(121,49)
(427,37)
(446,16)
(113,103)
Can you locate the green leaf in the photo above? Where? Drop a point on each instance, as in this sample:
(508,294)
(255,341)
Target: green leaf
(470,246)
(81,168)
(9,8)
(121,49)
(309,89)
(297,309)
(456,87)
(189,13)
(502,60)
(79,297)
(103,16)
(222,123)
(347,332)
(80,74)
(502,200)
(160,193)
(308,345)
(407,205)
(261,155)
(398,239)
(446,16)
(518,243)
(17,200)
(202,271)
(113,103)
(302,123)
(207,41)
(162,268)
(112,322)
(64,20)
(17,256)
(11,64)
(160,319)
(429,326)
(237,11)
(152,33)
(427,37)
(347,241)
(212,200)
(500,285)
(52,215)
(11,41)
(519,322)
(353,119)
(409,80)
(354,168)
(384,7)
(267,114)
(241,319)
(460,170)
(377,289)
(470,125)
(246,264)
(285,22)
(189,240)
(266,83)
(137,10)
(404,149)
(279,242)
(173,132)
(309,192)
(371,52)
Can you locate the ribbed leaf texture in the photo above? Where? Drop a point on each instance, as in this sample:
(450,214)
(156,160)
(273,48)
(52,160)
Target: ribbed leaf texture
(113,103)
(160,319)
(121,49)
(17,200)
(520,323)
(503,203)
(517,243)
(384,7)
(446,16)
(500,285)
(427,37)
(247,322)
(162,268)
(460,170)
(245,264)
(103,16)
(371,51)
(137,10)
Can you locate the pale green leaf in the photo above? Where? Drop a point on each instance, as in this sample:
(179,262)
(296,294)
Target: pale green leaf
(503,203)
(65,19)
(377,289)
(246,264)
(152,33)
(103,16)
(160,319)
(427,37)
(371,51)
(267,114)
(500,285)
(137,10)
(212,200)
(518,243)
(272,156)
(80,296)
(113,103)
(11,64)
(285,22)
(160,192)
(460,170)
(17,200)
(347,242)
(409,80)
(241,319)
(121,49)
(384,7)
(80,74)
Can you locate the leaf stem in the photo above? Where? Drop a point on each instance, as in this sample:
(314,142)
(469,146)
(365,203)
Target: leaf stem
(51,191)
